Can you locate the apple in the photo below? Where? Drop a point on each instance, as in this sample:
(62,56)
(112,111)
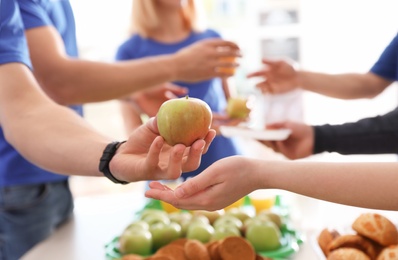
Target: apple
(238,213)
(221,232)
(211,215)
(136,242)
(264,236)
(138,225)
(237,108)
(260,219)
(228,220)
(152,219)
(184,120)
(162,234)
(274,217)
(200,218)
(183,218)
(200,231)
(147,212)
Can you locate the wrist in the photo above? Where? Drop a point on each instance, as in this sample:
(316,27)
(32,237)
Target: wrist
(105,162)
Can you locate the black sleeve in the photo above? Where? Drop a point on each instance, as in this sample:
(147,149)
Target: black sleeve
(375,135)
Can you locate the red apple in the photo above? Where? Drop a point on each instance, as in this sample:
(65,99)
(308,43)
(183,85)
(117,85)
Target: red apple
(184,120)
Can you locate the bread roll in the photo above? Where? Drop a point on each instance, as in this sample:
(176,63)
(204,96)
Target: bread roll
(389,253)
(325,237)
(353,241)
(347,254)
(376,227)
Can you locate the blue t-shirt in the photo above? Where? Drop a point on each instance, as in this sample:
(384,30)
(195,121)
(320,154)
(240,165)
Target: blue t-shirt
(13,46)
(387,64)
(14,169)
(210,91)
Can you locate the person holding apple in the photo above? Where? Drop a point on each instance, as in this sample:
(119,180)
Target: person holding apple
(164,27)
(41,142)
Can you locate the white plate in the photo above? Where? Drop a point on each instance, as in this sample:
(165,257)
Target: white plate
(270,135)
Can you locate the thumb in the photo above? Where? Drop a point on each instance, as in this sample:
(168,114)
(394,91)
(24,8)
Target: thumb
(277,125)
(192,186)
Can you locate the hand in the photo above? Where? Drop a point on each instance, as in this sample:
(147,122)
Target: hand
(146,156)
(299,144)
(278,77)
(221,184)
(149,100)
(203,60)
(220,119)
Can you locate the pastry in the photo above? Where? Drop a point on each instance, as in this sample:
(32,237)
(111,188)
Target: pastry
(353,241)
(174,251)
(347,254)
(234,247)
(389,253)
(325,237)
(376,227)
(196,250)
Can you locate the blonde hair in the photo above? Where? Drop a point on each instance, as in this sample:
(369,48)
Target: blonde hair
(144,17)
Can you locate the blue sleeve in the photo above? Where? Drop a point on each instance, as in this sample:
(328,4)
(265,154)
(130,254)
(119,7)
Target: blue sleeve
(33,14)
(213,34)
(387,66)
(128,50)
(123,53)
(13,47)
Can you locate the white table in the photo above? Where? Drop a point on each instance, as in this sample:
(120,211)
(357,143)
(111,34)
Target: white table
(99,219)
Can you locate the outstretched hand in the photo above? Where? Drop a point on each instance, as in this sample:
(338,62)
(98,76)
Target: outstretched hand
(146,156)
(215,188)
(299,144)
(277,77)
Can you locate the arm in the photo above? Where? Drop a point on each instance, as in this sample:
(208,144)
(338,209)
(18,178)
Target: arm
(57,139)
(281,76)
(73,81)
(370,185)
(374,135)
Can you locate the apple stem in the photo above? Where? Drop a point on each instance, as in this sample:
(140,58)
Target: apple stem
(186,97)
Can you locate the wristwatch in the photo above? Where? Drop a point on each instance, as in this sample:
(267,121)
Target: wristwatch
(106,157)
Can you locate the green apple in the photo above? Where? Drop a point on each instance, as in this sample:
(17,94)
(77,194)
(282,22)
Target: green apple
(228,220)
(200,231)
(274,217)
(260,219)
(162,233)
(237,108)
(184,120)
(211,215)
(136,242)
(264,236)
(138,225)
(200,218)
(147,212)
(238,213)
(221,232)
(183,218)
(156,217)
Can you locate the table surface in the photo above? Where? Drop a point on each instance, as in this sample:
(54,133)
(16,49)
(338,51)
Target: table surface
(99,219)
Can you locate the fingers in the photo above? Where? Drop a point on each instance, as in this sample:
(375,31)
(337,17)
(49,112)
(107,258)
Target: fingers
(194,156)
(278,125)
(208,139)
(175,166)
(259,73)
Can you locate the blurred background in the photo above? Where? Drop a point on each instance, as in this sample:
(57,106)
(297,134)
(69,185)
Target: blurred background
(332,36)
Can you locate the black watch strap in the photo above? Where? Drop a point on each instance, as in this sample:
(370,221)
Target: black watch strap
(106,157)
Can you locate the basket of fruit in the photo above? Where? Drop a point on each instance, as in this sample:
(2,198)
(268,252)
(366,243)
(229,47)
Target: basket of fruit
(158,227)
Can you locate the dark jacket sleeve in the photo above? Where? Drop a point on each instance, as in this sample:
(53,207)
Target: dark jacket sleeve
(375,135)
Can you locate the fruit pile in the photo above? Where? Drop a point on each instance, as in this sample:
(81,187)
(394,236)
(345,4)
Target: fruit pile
(374,238)
(156,229)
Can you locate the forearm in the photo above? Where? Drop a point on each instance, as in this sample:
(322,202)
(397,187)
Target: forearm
(342,86)
(73,81)
(369,185)
(49,135)
(376,135)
